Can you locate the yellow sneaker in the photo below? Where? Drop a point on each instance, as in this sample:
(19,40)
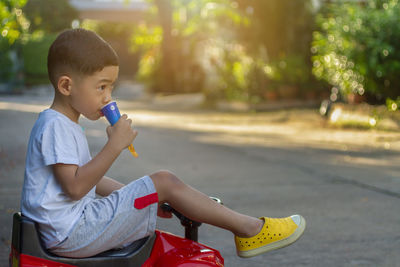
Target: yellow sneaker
(276,233)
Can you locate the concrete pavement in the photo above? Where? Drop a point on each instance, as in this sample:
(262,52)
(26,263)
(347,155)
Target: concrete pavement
(344,182)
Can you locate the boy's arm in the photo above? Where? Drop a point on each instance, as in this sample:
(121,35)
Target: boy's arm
(78,181)
(107,185)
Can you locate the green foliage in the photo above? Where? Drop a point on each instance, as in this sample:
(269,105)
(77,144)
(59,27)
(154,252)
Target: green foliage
(223,48)
(393,104)
(41,18)
(147,41)
(34,53)
(5,61)
(146,38)
(229,68)
(27,29)
(49,15)
(283,27)
(259,59)
(118,34)
(291,69)
(279,37)
(13,25)
(174,40)
(357,47)
(12,20)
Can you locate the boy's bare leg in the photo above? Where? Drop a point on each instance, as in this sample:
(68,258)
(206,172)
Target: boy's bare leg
(199,207)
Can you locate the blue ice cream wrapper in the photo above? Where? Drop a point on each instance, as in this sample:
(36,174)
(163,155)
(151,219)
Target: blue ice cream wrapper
(111,112)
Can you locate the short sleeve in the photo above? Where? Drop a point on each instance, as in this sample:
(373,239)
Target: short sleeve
(59,144)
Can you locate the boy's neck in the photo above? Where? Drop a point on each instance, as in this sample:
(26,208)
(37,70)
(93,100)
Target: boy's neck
(61,105)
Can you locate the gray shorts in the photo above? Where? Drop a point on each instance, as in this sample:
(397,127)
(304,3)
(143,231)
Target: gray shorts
(114,221)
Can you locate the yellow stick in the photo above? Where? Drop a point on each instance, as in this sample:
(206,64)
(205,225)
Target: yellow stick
(133,151)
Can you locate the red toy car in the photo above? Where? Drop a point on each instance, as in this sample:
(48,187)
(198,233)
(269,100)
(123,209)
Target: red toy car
(161,249)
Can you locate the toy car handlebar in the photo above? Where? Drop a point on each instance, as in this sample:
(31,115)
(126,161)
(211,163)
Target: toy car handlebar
(191,226)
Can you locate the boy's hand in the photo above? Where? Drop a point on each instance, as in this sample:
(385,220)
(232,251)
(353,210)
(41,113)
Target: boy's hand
(121,135)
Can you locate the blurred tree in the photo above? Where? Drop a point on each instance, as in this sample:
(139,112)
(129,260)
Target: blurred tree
(47,18)
(175,38)
(357,48)
(168,64)
(284,27)
(12,21)
(118,34)
(34,55)
(234,50)
(280,34)
(13,25)
(49,15)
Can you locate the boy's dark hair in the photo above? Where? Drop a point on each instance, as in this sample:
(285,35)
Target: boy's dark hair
(78,51)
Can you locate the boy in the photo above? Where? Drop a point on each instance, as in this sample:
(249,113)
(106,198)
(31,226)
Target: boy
(61,178)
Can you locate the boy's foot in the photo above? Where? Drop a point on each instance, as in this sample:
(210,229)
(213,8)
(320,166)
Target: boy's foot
(276,233)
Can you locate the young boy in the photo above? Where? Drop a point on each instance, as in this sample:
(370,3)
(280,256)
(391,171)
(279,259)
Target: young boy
(61,178)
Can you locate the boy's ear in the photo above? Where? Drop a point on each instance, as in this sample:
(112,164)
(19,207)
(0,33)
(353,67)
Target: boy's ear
(64,85)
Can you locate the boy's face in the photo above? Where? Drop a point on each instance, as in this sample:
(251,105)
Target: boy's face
(90,93)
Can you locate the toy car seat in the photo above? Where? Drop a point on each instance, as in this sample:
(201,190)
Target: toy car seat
(27,248)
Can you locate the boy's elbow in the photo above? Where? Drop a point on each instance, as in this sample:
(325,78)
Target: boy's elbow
(74,194)
(75,197)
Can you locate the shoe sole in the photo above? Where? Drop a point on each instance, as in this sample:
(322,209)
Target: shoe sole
(276,245)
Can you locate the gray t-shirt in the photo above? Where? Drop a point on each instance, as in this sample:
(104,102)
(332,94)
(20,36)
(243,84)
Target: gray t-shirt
(54,139)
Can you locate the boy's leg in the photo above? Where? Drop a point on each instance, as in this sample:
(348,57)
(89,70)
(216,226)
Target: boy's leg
(252,236)
(111,222)
(199,207)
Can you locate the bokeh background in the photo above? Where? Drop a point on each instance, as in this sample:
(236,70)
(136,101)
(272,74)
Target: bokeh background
(316,129)
(244,50)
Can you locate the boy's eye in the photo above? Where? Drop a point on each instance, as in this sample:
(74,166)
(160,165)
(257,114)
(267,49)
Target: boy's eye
(102,87)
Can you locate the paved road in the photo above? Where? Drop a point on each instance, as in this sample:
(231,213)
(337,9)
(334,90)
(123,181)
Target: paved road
(263,165)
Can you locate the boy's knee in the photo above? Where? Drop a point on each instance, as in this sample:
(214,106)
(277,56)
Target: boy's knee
(165,180)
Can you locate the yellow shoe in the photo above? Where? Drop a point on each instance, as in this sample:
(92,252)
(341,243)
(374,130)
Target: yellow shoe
(276,233)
